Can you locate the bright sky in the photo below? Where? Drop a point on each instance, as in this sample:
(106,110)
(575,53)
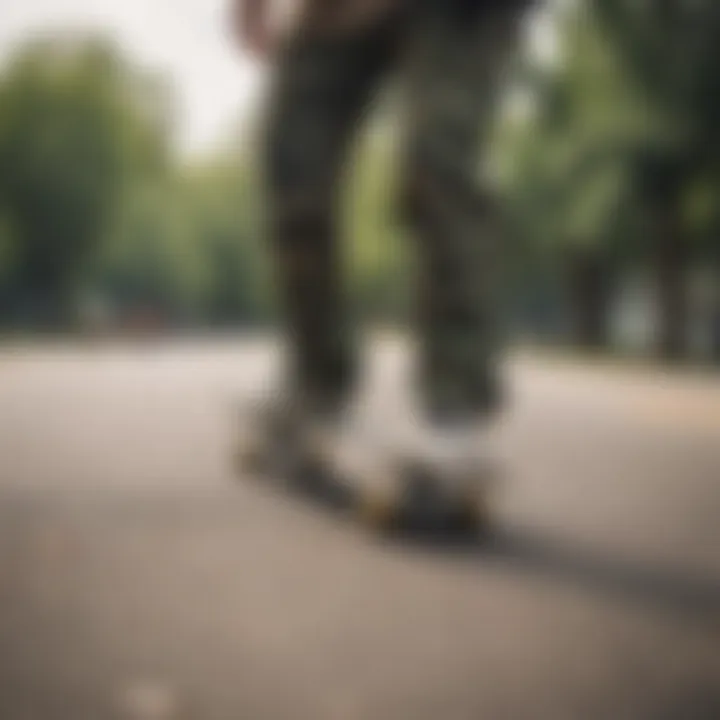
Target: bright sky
(187,40)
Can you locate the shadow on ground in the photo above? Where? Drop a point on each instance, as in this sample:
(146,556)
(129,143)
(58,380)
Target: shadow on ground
(536,552)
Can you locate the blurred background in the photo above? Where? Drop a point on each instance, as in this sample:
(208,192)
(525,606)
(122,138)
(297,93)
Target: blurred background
(142,579)
(127,194)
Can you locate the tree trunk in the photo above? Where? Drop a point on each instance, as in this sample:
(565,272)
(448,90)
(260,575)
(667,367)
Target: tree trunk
(715,320)
(589,280)
(671,284)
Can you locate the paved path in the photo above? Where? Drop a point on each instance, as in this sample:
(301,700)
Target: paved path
(139,581)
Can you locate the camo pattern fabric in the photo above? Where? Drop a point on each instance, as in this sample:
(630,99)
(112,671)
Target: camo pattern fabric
(449,56)
(340,16)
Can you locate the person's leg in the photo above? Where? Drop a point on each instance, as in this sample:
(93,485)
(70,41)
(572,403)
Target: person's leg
(322,88)
(458,54)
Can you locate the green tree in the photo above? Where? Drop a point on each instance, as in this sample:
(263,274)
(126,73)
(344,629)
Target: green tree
(564,164)
(222,201)
(77,126)
(152,260)
(669,52)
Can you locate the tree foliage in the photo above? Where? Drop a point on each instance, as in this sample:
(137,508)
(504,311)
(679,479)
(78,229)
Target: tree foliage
(76,128)
(610,171)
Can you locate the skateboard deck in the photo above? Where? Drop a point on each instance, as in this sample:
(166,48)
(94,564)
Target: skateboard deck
(403,498)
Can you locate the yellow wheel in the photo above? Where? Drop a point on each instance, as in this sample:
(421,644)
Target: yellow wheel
(474,512)
(378,510)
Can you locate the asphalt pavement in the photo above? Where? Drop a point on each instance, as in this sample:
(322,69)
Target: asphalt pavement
(141,580)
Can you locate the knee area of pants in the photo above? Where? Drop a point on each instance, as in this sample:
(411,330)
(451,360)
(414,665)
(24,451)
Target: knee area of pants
(298,199)
(418,196)
(297,220)
(289,167)
(431,194)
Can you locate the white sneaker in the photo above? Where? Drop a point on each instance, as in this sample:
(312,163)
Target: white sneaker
(451,452)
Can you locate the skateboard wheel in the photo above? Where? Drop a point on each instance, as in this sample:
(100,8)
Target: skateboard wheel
(472,516)
(377,510)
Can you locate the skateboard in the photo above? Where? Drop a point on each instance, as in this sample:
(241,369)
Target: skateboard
(402,497)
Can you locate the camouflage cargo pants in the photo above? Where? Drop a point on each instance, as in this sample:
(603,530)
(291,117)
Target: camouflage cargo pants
(448,56)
